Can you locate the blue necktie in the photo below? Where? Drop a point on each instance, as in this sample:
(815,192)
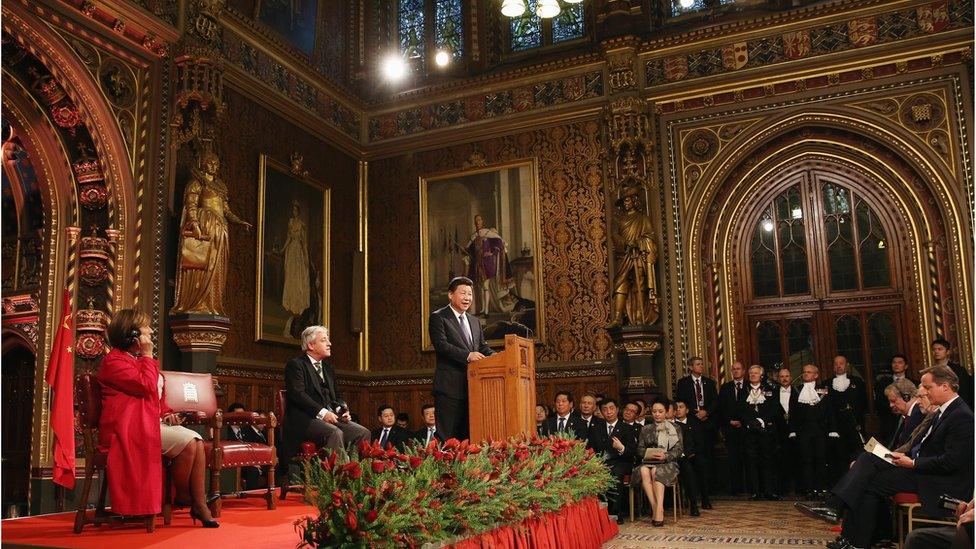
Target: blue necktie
(383,437)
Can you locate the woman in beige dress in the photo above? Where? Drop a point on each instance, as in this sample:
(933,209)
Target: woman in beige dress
(661,469)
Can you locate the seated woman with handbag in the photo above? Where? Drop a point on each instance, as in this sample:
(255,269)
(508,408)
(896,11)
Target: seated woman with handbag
(137,428)
(658,447)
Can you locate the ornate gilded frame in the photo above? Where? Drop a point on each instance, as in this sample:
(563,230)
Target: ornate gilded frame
(425,181)
(297,175)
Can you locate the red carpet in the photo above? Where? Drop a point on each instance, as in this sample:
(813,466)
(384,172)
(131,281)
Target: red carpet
(244,524)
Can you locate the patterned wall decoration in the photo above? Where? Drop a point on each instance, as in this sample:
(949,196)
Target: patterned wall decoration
(700,146)
(167,10)
(254,130)
(924,114)
(486,106)
(769,50)
(265,68)
(573,239)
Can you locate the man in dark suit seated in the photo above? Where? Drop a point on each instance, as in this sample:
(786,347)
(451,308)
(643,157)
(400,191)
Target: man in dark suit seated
(389,433)
(958,536)
(701,394)
(565,420)
(910,406)
(898,370)
(458,340)
(587,411)
(316,411)
(429,431)
(250,476)
(690,464)
(940,463)
(403,420)
(618,443)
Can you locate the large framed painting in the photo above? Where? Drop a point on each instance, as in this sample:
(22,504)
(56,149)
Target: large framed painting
(294,20)
(293,252)
(483,223)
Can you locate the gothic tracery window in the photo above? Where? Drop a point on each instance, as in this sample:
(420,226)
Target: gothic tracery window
(425,27)
(531,31)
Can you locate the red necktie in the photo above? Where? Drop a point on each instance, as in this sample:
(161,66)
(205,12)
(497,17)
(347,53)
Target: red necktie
(699,399)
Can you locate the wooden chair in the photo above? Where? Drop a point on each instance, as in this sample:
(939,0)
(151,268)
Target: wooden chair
(906,505)
(676,497)
(307,449)
(194,397)
(88,395)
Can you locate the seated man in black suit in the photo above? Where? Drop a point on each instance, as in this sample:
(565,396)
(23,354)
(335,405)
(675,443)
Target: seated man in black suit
(957,536)
(692,468)
(389,433)
(565,420)
(403,420)
(940,463)
(250,476)
(316,412)
(587,410)
(618,443)
(898,370)
(429,431)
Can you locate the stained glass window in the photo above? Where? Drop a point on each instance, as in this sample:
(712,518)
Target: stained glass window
(677,7)
(527,29)
(410,18)
(449,27)
(568,25)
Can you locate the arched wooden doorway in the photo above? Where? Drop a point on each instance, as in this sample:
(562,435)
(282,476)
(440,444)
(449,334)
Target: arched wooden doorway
(18,397)
(822,272)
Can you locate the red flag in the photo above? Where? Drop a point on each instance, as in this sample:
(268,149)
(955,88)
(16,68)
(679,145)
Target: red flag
(61,379)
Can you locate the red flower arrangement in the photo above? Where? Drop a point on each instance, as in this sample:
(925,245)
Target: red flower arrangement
(435,493)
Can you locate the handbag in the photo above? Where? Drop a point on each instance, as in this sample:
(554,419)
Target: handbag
(194,252)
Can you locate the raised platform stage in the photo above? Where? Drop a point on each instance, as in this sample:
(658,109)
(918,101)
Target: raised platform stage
(244,524)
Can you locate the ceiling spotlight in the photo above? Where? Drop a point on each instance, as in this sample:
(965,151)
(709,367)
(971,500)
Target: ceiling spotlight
(573,1)
(513,8)
(767,225)
(442,58)
(686,4)
(547,9)
(394,67)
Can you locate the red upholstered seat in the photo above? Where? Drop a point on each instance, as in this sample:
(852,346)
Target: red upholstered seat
(905,498)
(242,454)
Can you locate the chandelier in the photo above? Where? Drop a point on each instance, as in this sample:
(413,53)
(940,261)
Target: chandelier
(545,9)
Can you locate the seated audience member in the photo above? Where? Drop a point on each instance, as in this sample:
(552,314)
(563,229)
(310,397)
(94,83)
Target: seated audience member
(810,424)
(693,473)
(403,420)
(250,476)
(941,352)
(541,415)
(759,415)
(599,405)
(916,416)
(642,413)
(959,536)
(137,428)
(587,410)
(389,433)
(564,420)
(428,432)
(940,463)
(617,442)
(903,404)
(898,370)
(659,467)
(256,432)
(316,411)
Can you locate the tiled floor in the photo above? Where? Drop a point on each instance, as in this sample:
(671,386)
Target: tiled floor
(731,524)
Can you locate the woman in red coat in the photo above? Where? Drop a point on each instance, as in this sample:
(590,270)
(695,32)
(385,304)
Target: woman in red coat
(137,428)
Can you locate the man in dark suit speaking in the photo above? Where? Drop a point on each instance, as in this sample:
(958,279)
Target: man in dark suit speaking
(458,340)
(315,412)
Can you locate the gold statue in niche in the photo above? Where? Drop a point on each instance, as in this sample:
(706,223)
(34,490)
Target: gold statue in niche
(202,270)
(635,249)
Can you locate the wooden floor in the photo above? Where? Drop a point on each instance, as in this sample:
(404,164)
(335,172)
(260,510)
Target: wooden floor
(732,524)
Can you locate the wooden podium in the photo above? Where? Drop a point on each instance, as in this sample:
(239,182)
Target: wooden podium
(501,392)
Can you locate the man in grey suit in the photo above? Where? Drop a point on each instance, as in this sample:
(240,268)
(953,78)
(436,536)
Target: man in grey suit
(458,340)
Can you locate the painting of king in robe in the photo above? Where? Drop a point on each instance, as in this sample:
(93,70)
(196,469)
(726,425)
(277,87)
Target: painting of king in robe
(483,223)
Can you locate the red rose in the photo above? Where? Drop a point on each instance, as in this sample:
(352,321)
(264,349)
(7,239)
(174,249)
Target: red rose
(415,461)
(351,521)
(378,466)
(371,515)
(352,469)
(451,444)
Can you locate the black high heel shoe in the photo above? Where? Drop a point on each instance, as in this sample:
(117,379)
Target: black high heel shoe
(204,522)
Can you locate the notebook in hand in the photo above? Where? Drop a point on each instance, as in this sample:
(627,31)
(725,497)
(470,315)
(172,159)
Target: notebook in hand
(652,455)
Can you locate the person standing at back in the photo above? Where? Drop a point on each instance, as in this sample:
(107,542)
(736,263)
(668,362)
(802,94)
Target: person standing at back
(458,341)
(701,394)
